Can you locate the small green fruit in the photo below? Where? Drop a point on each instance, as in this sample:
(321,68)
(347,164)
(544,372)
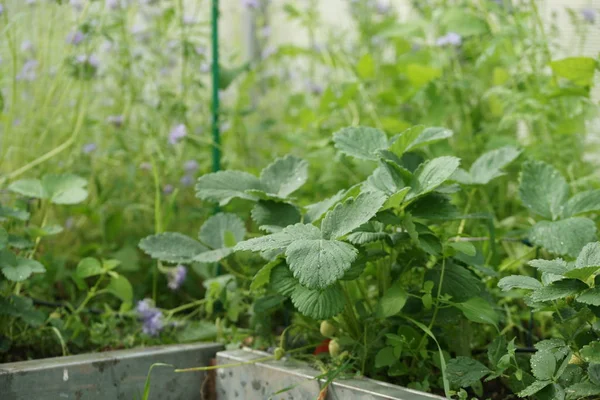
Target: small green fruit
(327,329)
(279,353)
(334,348)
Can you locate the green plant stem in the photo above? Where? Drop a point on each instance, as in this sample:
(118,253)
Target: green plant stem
(350,316)
(437,305)
(158,228)
(184,307)
(463,221)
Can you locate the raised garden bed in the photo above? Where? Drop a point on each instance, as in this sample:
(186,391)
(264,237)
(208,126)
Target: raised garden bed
(262,380)
(114,375)
(122,375)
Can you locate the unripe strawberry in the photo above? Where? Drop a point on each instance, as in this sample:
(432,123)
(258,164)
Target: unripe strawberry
(279,353)
(327,329)
(334,348)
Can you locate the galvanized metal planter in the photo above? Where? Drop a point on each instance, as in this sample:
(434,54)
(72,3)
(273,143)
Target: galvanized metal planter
(112,375)
(261,380)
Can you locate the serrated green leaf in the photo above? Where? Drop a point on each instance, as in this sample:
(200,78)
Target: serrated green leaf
(559,290)
(89,266)
(433,206)
(19,269)
(317,210)
(432,174)
(280,240)
(587,263)
(533,388)
(23,308)
(543,189)
(465,371)
(64,188)
(318,263)
(429,136)
(564,237)
(464,22)
(274,216)
(3,238)
(15,213)
(120,287)
(464,247)
(360,142)
(263,276)
(215,228)
(543,365)
(590,296)
(223,186)
(583,202)
(284,176)
(351,214)
(29,188)
(385,178)
(579,70)
(417,136)
(557,266)
(582,390)
(212,256)
(519,282)
(392,301)
(282,280)
(172,247)
(358,238)
(479,310)
(489,165)
(591,352)
(319,304)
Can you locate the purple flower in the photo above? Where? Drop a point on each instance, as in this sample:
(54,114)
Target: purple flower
(190,166)
(116,120)
(251,3)
(151,316)
(265,31)
(189,20)
(382,8)
(26,46)
(201,50)
(176,276)
(314,88)
(588,15)
(69,223)
(187,180)
(92,60)
(112,4)
(75,38)
(145,166)
(178,132)
(89,148)
(268,51)
(28,71)
(1,9)
(449,39)
(204,67)
(168,189)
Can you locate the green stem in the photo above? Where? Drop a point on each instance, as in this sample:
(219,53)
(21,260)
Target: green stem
(158,228)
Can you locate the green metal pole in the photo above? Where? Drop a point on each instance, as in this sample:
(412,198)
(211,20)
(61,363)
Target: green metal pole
(216,134)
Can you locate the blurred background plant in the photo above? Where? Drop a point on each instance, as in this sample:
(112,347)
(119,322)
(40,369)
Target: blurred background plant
(117,92)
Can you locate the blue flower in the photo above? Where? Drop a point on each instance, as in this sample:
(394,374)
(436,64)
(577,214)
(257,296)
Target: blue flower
(92,60)
(588,15)
(89,148)
(28,71)
(176,276)
(178,132)
(314,88)
(75,38)
(168,189)
(112,4)
(116,120)
(26,46)
(383,8)
(190,166)
(251,3)
(151,316)
(449,39)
